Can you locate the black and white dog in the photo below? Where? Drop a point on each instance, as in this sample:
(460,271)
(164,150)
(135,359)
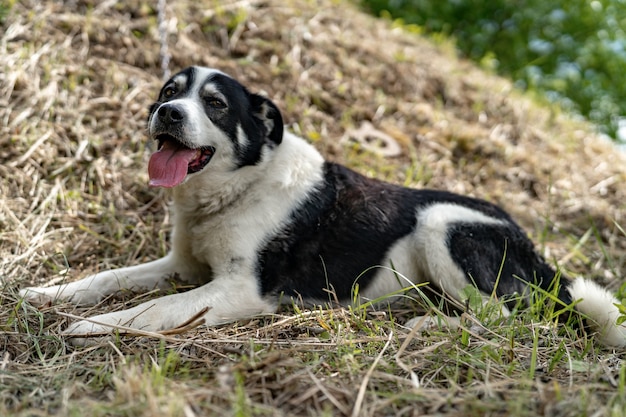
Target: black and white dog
(261,218)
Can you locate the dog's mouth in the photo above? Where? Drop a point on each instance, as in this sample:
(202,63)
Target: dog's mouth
(173,161)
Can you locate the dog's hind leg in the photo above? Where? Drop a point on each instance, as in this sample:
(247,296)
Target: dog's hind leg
(437,247)
(455,252)
(459,246)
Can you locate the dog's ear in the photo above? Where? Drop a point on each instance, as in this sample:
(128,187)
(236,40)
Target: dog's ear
(269,115)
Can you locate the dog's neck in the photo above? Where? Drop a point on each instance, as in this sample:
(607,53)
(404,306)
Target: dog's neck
(201,196)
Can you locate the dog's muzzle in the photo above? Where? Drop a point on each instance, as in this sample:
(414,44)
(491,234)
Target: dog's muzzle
(174,160)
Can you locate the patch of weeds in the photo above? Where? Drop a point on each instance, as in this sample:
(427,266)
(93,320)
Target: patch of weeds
(43,348)
(138,392)
(5,8)
(227,18)
(417,173)
(241,402)
(167,364)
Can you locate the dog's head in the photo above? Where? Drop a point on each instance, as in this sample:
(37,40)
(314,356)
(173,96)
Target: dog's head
(203,114)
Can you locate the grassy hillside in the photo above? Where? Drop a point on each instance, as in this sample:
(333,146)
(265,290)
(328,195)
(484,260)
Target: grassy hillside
(76,79)
(571,51)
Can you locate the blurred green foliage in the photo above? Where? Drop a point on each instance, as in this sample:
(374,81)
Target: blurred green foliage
(574,51)
(5,6)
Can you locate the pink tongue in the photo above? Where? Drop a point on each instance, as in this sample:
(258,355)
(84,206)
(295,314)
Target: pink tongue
(168,165)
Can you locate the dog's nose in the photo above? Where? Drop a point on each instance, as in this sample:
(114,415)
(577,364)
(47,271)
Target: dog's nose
(169,113)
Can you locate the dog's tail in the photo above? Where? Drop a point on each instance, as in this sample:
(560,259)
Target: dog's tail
(598,304)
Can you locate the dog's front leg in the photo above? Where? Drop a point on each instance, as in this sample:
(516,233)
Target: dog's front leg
(226,298)
(90,290)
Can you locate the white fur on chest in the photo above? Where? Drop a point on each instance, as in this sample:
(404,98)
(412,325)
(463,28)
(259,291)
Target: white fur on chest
(226,219)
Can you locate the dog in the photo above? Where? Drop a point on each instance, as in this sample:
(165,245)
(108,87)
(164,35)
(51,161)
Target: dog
(261,218)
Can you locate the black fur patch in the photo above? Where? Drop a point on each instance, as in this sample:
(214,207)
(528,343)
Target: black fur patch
(345,227)
(250,111)
(500,255)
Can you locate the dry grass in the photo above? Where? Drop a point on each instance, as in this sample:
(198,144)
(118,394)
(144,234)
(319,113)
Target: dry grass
(76,79)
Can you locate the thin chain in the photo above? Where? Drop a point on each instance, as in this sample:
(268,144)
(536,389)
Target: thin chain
(164,52)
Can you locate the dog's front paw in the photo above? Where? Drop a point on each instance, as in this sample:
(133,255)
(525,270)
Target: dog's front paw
(86,333)
(37,296)
(67,292)
(424,323)
(97,329)
(103,326)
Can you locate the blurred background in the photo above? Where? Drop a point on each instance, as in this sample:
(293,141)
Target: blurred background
(571,51)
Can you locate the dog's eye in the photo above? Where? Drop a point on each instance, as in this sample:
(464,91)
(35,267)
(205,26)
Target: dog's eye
(169,92)
(216,103)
